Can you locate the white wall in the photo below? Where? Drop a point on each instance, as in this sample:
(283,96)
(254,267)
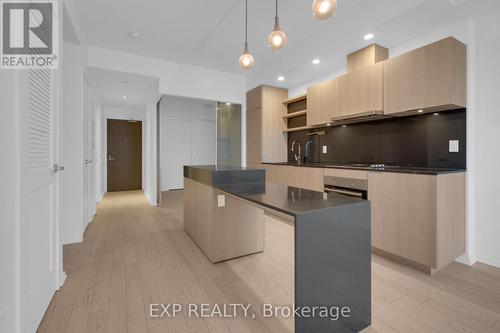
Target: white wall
(196,115)
(487,151)
(71,178)
(149,178)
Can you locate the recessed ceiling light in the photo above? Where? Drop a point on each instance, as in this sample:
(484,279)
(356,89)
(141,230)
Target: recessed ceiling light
(344,125)
(228,103)
(368,36)
(133,34)
(316,61)
(124,97)
(420,111)
(281,78)
(436,114)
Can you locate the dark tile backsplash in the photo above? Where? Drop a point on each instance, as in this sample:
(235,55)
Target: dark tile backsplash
(420,140)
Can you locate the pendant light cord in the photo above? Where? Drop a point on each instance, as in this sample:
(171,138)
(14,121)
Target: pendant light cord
(276,8)
(246,21)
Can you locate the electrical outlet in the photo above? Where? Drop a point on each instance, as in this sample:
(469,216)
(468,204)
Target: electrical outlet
(221,200)
(324,149)
(453,146)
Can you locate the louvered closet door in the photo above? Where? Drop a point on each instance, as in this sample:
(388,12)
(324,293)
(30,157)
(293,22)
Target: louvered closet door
(38,195)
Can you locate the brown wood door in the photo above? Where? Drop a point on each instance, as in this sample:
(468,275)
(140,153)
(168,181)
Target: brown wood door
(124,155)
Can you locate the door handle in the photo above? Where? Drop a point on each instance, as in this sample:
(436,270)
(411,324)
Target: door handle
(111,158)
(56,168)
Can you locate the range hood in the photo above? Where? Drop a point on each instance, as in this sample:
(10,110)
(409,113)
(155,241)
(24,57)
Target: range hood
(359,117)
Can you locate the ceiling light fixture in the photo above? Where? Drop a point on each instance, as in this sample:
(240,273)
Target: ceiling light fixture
(323,9)
(246,59)
(133,34)
(277,38)
(124,97)
(281,78)
(420,111)
(368,36)
(316,61)
(228,104)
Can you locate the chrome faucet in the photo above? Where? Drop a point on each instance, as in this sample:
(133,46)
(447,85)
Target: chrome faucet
(298,158)
(305,150)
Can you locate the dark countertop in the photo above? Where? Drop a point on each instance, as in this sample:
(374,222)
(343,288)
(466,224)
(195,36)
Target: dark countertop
(391,168)
(287,199)
(250,184)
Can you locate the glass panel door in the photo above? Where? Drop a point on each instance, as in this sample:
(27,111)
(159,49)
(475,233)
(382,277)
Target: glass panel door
(228,134)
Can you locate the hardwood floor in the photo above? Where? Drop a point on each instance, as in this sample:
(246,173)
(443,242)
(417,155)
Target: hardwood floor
(134,255)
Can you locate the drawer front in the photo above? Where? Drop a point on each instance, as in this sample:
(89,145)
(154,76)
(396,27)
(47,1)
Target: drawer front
(346,173)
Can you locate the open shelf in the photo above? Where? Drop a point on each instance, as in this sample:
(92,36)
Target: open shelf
(295,114)
(295,99)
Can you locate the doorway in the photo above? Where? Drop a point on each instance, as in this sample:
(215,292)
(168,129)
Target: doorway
(124,160)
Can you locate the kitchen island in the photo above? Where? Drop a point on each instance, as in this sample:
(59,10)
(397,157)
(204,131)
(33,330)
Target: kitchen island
(224,214)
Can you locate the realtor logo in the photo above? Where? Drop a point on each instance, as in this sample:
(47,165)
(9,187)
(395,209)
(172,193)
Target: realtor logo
(29,34)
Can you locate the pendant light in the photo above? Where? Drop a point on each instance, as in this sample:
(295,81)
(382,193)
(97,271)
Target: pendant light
(324,9)
(277,38)
(246,59)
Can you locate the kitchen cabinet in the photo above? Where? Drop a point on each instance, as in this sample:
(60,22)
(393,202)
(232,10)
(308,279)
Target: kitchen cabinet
(418,219)
(322,102)
(430,78)
(233,230)
(266,141)
(303,177)
(361,92)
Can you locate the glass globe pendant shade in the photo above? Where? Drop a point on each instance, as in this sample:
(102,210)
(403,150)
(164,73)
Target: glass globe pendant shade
(246,59)
(324,9)
(277,38)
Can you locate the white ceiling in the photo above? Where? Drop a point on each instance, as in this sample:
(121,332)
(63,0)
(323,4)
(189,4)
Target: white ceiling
(111,86)
(210,33)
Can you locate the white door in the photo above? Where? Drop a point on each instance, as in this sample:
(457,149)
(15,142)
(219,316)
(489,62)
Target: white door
(178,146)
(203,142)
(39,195)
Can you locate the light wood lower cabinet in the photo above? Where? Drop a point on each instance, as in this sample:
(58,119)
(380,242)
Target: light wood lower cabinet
(418,218)
(223,233)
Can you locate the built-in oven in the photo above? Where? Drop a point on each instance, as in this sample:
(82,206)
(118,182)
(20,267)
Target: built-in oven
(347,186)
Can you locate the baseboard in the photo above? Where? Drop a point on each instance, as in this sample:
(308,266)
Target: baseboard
(72,241)
(466,260)
(490,262)
(151,202)
(62,279)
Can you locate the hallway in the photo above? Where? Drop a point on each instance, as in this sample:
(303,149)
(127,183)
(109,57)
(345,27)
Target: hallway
(134,255)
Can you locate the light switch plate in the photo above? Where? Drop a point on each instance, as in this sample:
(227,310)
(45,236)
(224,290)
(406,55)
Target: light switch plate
(324,149)
(453,146)
(221,200)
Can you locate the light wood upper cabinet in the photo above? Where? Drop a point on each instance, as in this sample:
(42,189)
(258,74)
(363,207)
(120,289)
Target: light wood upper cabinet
(361,91)
(432,77)
(322,102)
(266,141)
